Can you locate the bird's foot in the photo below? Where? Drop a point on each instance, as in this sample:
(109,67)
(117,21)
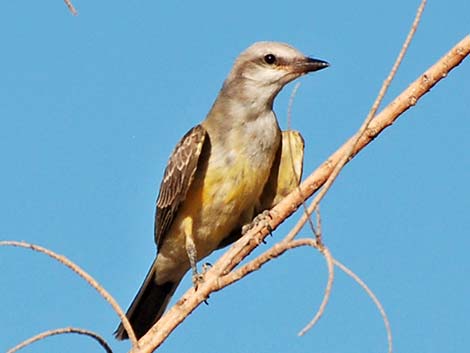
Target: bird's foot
(198,278)
(263,219)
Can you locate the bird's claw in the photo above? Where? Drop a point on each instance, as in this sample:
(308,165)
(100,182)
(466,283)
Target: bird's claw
(205,267)
(263,219)
(198,278)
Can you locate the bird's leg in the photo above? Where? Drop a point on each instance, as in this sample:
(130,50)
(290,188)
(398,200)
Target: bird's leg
(191,250)
(192,255)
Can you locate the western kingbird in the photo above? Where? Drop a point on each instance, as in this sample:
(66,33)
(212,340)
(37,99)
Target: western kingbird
(217,176)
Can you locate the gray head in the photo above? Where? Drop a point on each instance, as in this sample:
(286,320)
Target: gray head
(264,68)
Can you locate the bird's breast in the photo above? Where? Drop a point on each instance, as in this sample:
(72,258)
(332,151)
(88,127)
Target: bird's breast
(238,168)
(227,186)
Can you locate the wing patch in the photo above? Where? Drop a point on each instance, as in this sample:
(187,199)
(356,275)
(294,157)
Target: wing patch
(177,179)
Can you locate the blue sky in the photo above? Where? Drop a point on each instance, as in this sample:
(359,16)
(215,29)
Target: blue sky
(92,106)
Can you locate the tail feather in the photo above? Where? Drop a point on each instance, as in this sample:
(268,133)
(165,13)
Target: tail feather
(148,305)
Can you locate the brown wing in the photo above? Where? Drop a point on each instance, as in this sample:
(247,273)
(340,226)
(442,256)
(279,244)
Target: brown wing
(179,174)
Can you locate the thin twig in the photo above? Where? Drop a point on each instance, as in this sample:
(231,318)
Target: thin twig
(71,7)
(374,299)
(61,331)
(291,104)
(289,127)
(79,271)
(275,251)
(362,130)
(326,297)
(318,228)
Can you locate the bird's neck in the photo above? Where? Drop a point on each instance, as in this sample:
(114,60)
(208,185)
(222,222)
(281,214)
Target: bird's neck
(242,101)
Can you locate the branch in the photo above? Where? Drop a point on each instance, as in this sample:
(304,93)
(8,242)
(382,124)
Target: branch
(79,271)
(408,98)
(61,331)
(240,249)
(71,7)
(275,251)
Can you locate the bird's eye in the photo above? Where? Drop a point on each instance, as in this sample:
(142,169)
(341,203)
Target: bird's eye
(270,59)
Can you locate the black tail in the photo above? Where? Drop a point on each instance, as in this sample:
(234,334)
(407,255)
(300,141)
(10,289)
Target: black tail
(148,305)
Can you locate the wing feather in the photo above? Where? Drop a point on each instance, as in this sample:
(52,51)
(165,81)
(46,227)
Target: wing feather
(286,171)
(177,179)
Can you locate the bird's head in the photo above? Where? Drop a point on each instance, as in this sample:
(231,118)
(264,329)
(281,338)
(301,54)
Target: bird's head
(265,67)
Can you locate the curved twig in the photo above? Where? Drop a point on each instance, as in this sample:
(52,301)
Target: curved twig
(61,331)
(289,127)
(374,299)
(275,251)
(79,271)
(291,104)
(326,297)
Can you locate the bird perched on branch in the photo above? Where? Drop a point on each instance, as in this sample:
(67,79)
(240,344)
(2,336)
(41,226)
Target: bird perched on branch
(222,173)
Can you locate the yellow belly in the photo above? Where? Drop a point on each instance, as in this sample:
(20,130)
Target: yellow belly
(221,201)
(222,197)
(218,202)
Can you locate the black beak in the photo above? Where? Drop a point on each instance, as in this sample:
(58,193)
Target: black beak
(309,65)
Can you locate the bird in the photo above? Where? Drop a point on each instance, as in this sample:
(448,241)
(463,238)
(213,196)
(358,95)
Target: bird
(221,174)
